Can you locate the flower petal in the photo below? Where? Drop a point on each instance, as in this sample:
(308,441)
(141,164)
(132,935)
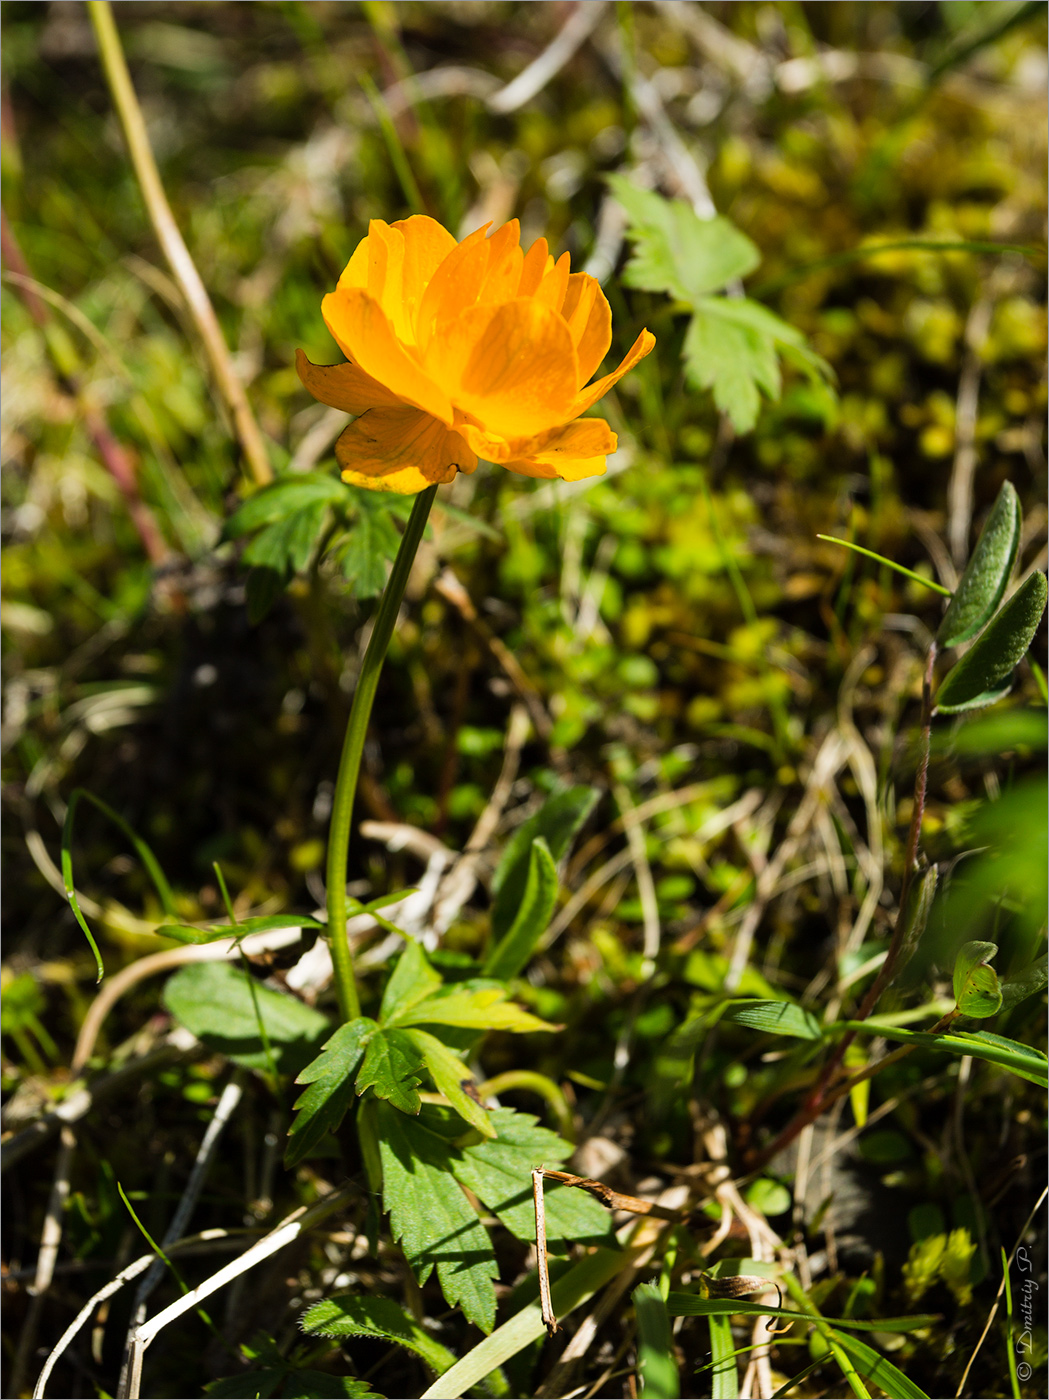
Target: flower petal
(344,386)
(535,264)
(426,245)
(551,290)
(575,451)
(511,367)
(365,336)
(381,274)
(589,318)
(505,261)
(402,450)
(454,285)
(588,397)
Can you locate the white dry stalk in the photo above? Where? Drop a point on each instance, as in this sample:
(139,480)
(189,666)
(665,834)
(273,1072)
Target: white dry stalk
(286,1232)
(646,886)
(580,24)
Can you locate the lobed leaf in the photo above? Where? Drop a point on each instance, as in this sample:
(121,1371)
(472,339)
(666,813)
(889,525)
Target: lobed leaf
(483,1008)
(449,1076)
(350,1315)
(987,573)
(431,1217)
(981,676)
(392,1069)
(282,499)
(412,980)
(322,1107)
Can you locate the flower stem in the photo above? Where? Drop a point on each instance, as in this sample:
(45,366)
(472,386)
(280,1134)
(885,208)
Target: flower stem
(353,747)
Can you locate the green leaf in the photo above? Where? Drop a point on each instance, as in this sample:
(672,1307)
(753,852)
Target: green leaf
(350,1315)
(976,989)
(286,546)
(499,1173)
(876,1368)
(776,1018)
(558,822)
(694,1305)
(282,499)
(675,250)
(724,1376)
(657,1369)
(1021,1060)
(262,588)
(916,916)
(449,1076)
(1025,983)
(215,1002)
(188,933)
(413,979)
(431,1217)
(987,574)
(391,1068)
(364,550)
(322,1107)
(510,955)
(319,1385)
(482,1008)
(979,676)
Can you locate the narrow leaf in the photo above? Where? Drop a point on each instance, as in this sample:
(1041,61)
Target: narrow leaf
(1025,984)
(656,1366)
(392,1070)
(1021,1060)
(322,1107)
(724,1377)
(996,653)
(350,1315)
(987,574)
(511,954)
(431,1217)
(876,1368)
(694,1305)
(776,1018)
(558,822)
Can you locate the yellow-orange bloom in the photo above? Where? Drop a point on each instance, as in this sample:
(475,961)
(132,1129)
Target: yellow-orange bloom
(463,350)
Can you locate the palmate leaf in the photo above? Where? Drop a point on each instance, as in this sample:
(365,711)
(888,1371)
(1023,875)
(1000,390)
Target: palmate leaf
(431,1217)
(450,1076)
(286,545)
(322,1106)
(392,1069)
(499,1172)
(413,980)
(284,498)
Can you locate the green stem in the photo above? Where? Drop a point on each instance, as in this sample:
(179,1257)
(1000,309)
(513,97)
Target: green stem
(352,749)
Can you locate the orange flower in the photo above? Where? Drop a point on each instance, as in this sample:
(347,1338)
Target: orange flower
(463,350)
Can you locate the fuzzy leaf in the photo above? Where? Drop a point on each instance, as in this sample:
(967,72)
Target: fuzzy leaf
(675,250)
(350,1315)
(979,676)
(322,1107)
(499,1172)
(776,1018)
(431,1217)
(558,822)
(392,1069)
(986,575)
(217,1003)
(450,1075)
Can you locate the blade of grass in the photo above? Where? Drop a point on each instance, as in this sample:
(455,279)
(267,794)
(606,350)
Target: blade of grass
(1010,1350)
(858,549)
(657,1370)
(724,1380)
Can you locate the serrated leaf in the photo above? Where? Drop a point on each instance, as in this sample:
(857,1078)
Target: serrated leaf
(987,573)
(876,1368)
(323,1106)
(675,250)
(511,953)
(412,980)
(1025,983)
(282,499)
(319,1385)
(217,1003)
(286,546)
(969,957)
(449,1075)
(499,1173)
(350,1315)
(558,822)
(392,1070)
(776,1018)
(482,1008)
(363,558)
(656,1366)
(431,1217)
(997,651)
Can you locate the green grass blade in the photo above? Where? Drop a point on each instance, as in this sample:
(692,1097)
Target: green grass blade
(876,1368)
(889,563)
(657,1370)
(724,1381)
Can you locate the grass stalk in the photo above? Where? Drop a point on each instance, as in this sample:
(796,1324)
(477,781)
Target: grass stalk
(353,748)
(183,268)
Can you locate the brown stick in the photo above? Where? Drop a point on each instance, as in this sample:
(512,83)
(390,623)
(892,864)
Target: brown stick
(614,1200)
(542,1258)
